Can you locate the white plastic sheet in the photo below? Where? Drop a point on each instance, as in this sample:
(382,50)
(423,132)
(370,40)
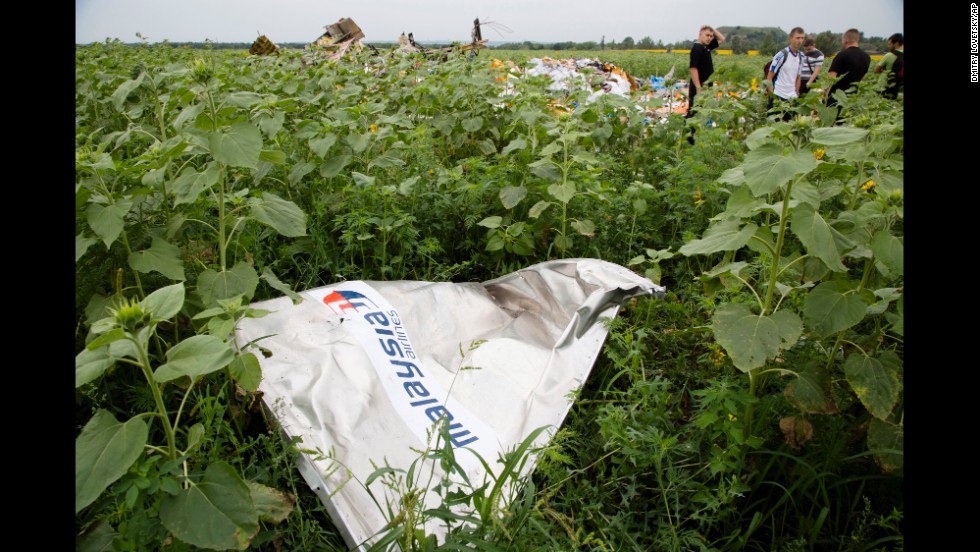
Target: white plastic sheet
(361,371)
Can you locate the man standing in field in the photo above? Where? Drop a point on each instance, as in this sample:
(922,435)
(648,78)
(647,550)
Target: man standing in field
(701,66)
(850,64)
(890,64)
(812,62)
(783,78)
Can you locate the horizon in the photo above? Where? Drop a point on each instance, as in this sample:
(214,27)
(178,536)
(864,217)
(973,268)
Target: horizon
(514,21)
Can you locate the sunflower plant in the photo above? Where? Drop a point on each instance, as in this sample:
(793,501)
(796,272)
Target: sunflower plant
(809,279)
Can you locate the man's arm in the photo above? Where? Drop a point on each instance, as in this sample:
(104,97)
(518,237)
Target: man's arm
(696,79)
(719,36)
(837,62)
(880,66)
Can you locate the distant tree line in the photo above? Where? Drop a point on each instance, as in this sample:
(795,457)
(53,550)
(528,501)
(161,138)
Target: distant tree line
(766,40)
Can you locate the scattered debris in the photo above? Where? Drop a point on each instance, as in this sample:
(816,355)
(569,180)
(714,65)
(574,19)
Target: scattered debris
(566,76)
(343,30)
(407,44)
(263,47)
(338,38)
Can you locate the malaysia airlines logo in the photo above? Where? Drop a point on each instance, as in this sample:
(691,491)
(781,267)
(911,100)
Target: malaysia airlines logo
(421,401)
(341,301)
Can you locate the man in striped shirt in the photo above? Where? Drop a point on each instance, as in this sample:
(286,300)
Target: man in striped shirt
(810,68)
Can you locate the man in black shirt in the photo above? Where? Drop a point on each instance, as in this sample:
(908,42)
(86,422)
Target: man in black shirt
(700,65)
(850,64)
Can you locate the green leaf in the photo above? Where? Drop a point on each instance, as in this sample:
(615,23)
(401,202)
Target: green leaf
(189,185)
(546,170)
(486,147)
(274,282)
(585,227)
(733,176)
(82,243)
(91,364)
(767,169)
(162,257)
(246,371)
(276,157)
(539,208)
(108,337)
(281,214)
(810,392)
(562,192)
(890,182)
(322,145)
(837,135)
(788,326)
(741,204)
(242,99)
(97,538)
(238,146)
(363,179)
(491,222)
(816,235)
(759,137)
(897,320)
(166,302)
(240,280)
(600,134)
(221,326)
(751,339)
(385,161)
(104,451)
(358,142)
(216,513)
(586,158)
(546,153)
(272,125)
(300,170)
(874,381)
(154,177)
(889,250)
(831,307)
(887,441)
(496,242)
(472,124)
(107,221)
(511,196)
(188,114)
(332,167)
(194,357)
(271,505)
(805,192)
(723,236)
(124,90)
(515,144)
(563,243)
(195,436)
(827,114)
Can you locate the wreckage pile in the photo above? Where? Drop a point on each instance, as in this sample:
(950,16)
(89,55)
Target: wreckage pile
(660,96)
(263,47)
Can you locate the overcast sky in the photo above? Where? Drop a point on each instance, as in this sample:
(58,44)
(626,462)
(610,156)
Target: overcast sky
(451,20)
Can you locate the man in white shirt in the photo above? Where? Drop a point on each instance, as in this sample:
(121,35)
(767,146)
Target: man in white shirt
(783,78)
